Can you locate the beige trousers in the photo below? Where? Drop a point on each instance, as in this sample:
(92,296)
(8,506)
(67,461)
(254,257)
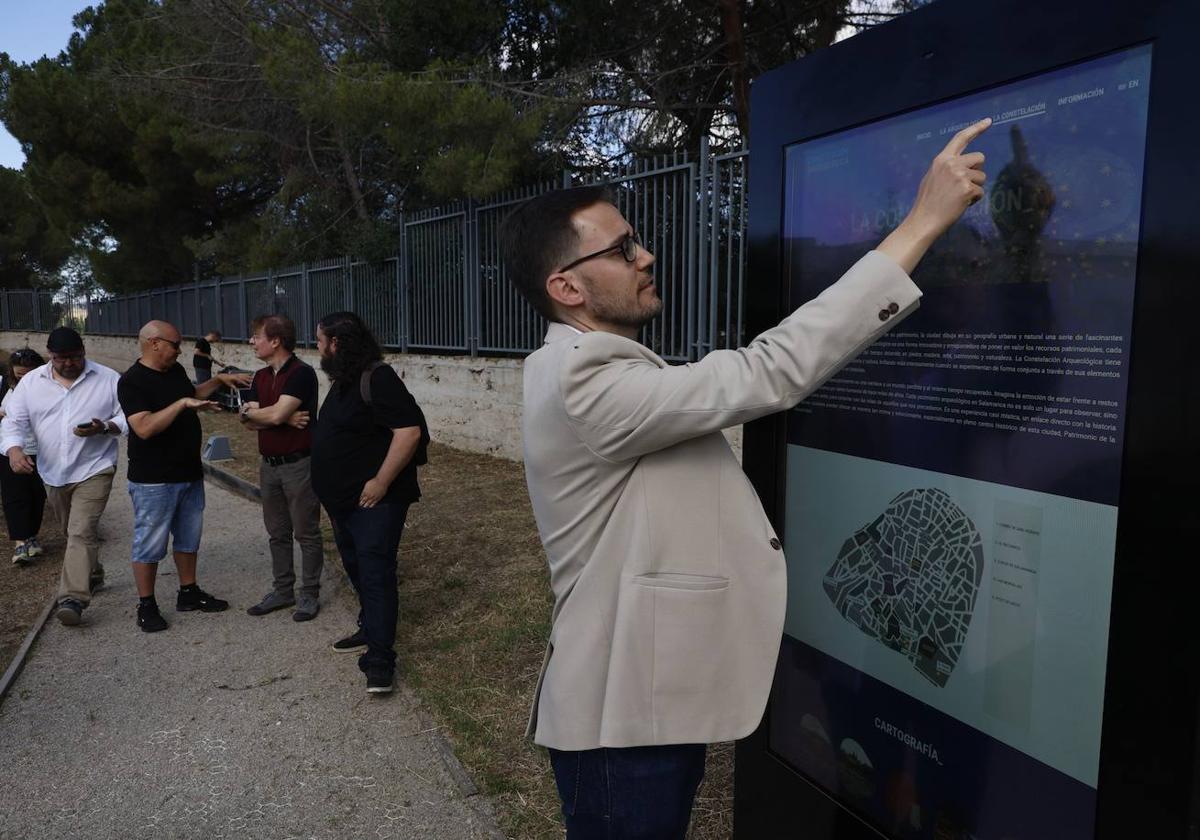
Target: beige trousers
(78,508)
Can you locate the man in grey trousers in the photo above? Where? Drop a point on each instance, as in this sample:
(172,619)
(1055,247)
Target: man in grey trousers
(282,400)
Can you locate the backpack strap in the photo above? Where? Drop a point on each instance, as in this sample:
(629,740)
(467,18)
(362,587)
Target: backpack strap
(364,381)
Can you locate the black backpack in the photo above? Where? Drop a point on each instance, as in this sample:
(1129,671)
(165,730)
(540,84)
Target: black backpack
(421,456)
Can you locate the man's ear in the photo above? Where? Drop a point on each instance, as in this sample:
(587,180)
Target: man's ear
(565,288)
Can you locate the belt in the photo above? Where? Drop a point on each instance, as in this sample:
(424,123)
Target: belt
(290,458)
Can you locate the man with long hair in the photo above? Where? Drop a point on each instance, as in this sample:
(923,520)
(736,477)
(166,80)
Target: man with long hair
(366,445)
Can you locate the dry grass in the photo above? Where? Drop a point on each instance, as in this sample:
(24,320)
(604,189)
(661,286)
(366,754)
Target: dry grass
(474,617)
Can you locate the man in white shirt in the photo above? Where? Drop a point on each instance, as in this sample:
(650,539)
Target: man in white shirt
(70,406)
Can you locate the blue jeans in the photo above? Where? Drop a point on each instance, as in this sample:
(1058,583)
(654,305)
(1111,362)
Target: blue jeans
(630,793)
(368,539)
(166,510)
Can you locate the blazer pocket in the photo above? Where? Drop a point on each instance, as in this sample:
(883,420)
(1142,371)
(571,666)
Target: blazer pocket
(677,580)
(689,638)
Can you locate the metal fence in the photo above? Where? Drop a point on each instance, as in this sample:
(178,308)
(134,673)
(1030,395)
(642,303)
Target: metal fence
(32,310)
(445,290)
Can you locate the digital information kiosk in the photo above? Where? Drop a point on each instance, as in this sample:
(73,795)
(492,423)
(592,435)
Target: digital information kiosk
(991,516)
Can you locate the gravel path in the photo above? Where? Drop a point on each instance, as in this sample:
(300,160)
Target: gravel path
(223,726)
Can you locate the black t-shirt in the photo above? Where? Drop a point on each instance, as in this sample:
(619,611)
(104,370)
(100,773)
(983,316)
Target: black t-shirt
(351,439)
(204,362)
(294,379)
(173,455)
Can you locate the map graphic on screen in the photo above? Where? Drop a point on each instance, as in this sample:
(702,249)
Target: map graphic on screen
(909,579)
(951,494)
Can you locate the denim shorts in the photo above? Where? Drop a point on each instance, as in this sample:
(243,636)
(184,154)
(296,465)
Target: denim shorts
(166,510)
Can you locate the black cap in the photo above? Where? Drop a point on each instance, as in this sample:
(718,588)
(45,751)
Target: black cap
(64,340)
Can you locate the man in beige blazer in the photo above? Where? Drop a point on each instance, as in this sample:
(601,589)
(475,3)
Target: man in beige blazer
(668,579)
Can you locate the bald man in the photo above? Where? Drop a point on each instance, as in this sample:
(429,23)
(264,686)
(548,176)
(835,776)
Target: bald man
(166,481)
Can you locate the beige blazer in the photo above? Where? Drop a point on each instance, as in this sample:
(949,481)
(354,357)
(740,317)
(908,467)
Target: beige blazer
(669,583)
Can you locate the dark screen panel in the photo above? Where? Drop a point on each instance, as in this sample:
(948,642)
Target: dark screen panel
(1148,745)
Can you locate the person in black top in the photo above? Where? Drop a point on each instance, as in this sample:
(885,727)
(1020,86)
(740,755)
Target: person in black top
(23,495)
(282,398)
(166,481)
(203,359)
(367,441)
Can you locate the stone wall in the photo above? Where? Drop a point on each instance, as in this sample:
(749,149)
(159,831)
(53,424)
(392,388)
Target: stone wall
(471,404)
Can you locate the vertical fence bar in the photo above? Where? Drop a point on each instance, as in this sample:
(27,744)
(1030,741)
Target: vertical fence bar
(306,330)
(705,198)
(402,284)
(470,274)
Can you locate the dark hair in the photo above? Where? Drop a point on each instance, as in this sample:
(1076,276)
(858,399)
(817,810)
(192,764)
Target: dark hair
(25,357)
(537,238)
(214,333)
(356,347)
(276,326)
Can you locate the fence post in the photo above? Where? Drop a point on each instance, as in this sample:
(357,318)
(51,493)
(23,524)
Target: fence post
(196,299)
(566,179)
(470,280)
(306,305)
(242,300)
(705,197)
(402,285)
(37,315)
(348,289)
(4,310)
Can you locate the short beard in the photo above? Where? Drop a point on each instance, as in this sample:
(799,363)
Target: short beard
(624,316)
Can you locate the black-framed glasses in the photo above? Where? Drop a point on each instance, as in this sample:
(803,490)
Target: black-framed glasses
(175,344)
(628,246)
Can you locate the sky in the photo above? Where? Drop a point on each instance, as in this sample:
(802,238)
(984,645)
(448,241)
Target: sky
(30,29)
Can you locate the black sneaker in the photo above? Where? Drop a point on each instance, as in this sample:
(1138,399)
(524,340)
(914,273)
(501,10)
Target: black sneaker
(70,612)
(150,619)
(352,643)
(380,682)
(196,598)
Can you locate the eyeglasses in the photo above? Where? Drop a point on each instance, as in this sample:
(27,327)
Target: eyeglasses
(175,344)
(628,246)
(66,357)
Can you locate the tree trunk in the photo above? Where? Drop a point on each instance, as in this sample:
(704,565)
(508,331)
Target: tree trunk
(735,58)
(360,204)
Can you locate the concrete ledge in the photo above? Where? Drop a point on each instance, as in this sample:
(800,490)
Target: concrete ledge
(231,482)
(14,667)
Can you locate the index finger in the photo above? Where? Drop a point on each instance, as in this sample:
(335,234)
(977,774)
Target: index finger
(960,141)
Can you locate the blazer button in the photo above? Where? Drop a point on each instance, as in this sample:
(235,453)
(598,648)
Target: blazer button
(893,307)
(776,544)
(884,314)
